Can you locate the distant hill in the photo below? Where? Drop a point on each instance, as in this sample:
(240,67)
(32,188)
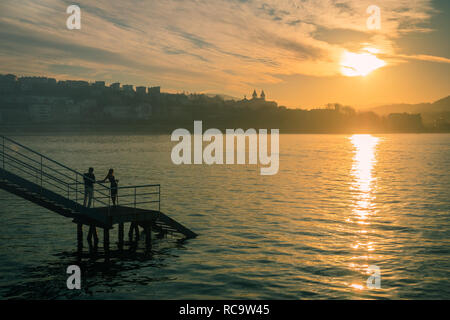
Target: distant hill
(442,105)
(223,96)
(444,102)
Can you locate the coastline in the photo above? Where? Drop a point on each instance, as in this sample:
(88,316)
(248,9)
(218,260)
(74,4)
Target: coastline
(160,129)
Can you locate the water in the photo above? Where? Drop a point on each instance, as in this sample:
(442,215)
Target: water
(339,204)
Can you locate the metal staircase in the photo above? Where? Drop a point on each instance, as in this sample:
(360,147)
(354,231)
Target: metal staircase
(56,187)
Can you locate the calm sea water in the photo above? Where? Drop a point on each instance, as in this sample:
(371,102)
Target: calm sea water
(339,204)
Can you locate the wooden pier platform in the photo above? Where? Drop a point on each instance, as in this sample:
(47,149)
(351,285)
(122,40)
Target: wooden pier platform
(120,214)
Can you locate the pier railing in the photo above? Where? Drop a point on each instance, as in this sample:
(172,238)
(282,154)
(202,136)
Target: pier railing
(69,183)
(141,196)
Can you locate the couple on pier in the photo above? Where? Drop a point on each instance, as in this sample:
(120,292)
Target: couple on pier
(89,180)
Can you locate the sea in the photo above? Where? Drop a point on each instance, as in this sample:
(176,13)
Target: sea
(346,217)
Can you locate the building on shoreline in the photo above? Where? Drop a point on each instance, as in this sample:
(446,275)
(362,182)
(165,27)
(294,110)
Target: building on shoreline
(257,102)
(42,100)
(115,86)
(141,90)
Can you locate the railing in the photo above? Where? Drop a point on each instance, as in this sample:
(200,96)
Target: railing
(131,196)
(58,178)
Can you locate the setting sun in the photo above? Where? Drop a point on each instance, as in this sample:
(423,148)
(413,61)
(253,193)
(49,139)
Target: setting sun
(360,64)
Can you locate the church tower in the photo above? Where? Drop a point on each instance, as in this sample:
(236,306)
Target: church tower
(263,95)
(254,95)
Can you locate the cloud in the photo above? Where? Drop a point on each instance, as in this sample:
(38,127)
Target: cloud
(423,57)
(219,45)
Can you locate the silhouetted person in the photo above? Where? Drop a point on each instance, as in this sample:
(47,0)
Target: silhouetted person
(89,180)
(113,181)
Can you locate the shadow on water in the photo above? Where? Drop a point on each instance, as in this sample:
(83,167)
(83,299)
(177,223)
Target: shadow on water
(124,269)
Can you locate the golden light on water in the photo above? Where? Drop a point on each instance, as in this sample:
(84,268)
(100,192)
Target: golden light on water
(357,286)
(363,180)
(362,187)
(363,163)
(360,64)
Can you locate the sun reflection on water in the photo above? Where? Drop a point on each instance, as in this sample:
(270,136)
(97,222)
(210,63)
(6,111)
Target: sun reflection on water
(363,180)
(362,187)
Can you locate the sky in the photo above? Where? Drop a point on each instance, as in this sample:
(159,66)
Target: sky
(303,53)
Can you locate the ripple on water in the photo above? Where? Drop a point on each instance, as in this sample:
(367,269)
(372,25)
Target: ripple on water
(338,205)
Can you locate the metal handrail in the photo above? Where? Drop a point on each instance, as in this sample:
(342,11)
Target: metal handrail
(141,202)
(81,191)
(46,158)
(27,166)
(140,186)
(13,155)
(35,169)
(35,161)
(20,165)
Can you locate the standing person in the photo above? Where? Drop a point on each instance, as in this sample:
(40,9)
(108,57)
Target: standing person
(89,180)
(110,176)
(114,182)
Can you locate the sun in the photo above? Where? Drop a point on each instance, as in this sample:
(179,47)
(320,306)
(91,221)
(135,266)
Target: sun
(360,64)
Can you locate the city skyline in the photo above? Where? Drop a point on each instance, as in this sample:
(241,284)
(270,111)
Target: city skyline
(303,54)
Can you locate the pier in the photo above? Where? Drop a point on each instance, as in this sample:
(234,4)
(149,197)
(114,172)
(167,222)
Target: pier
(58,188)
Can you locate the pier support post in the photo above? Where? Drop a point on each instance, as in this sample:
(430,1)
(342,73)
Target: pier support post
(148,237)
(121,227)
(134,228)
(106,242)
(80,237)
